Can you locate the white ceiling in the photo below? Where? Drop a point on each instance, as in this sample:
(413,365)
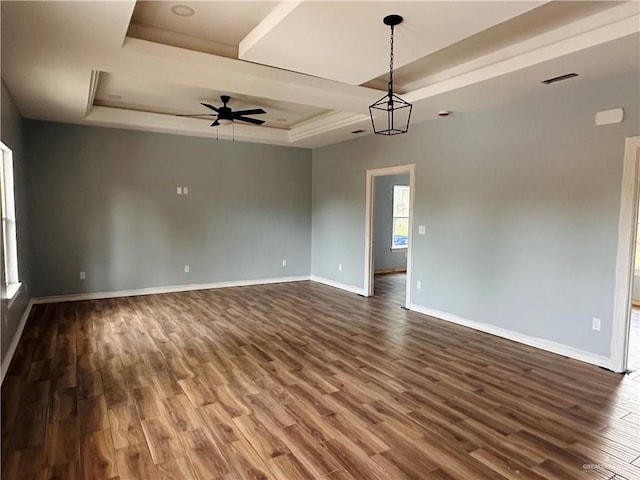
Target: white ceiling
(314,66)
(348,42)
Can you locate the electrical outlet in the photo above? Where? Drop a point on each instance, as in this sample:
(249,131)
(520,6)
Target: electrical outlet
(419,285)
(179,190)
(185,190)
(83,276)
(595,324)
(186,269)
(339,267)
(284,262)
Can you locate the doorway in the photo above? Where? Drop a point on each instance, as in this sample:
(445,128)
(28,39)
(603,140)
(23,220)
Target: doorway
(393,250)
(625,263)
(633,350)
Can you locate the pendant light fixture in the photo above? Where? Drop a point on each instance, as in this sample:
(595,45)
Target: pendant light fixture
(391,114)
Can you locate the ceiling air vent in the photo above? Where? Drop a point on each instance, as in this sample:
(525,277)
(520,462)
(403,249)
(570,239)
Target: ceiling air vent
(567,76)
(359,131)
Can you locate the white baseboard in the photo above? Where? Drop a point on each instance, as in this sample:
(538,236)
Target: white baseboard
(6,361)
(167,289)
(541,343)
(342,286)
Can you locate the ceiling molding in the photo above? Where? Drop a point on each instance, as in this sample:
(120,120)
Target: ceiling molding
(157,122)
(93,87)
(608,17)
(266,25)
(597,36)
(325,123)
(152,34)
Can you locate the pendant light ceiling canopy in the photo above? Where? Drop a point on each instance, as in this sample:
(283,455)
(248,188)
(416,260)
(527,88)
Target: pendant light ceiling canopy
(391,114)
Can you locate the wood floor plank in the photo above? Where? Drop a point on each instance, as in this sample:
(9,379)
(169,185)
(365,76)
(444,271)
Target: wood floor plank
(62,442)
(301,381)
(206,460)
(266,444)
(126,429)
(135,463)
(313,455)
(162,441)
(93,411)
(97,456)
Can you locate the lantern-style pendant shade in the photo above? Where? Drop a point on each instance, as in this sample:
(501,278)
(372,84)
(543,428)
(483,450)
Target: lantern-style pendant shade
(390,115)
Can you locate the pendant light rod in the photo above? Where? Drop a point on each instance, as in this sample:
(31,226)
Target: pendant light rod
(391,114)
(392,21)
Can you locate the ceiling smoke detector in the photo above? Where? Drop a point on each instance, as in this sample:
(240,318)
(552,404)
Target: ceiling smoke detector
(183,11)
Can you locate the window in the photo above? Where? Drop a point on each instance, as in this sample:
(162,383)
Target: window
(9,234)
(400,238)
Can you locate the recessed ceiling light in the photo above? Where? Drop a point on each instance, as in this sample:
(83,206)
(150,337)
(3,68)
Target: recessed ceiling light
(183,10)
(113,96)
(358,131)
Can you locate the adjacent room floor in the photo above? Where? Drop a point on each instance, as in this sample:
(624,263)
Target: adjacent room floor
(390,290)
(300,380)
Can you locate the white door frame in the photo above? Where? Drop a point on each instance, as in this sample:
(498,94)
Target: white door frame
(627,227)
(368,240)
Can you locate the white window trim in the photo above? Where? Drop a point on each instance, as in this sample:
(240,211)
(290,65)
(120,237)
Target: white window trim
(12,292)
(10,241)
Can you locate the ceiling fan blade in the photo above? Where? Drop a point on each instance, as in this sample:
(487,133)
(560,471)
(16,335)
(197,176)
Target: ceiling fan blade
(249,120)
(215,109)
(215,124)
(255,111)
(197,115)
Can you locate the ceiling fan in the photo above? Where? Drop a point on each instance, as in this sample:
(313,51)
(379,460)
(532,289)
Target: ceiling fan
(225,115)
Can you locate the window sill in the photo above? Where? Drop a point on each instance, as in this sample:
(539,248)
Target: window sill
(398,249)
(12,292)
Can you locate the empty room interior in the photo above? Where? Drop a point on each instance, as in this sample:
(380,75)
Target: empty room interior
(337,240)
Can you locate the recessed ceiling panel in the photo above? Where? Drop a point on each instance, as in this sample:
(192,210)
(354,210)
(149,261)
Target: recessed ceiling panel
(213,27)
(344,41)
(121,91)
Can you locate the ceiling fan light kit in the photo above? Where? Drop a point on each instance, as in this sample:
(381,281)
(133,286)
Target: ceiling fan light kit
(391,114)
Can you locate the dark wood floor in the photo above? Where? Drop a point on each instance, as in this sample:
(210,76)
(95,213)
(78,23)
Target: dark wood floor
(301,381)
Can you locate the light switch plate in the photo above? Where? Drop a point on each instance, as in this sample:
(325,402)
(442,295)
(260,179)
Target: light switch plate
(179,191)
(422,229)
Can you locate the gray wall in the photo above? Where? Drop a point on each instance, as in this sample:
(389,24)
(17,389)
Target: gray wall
(383,257)
(520,203)
(104,201)
(11,132)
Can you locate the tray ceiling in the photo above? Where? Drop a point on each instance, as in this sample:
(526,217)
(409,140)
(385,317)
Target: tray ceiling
(314,66)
